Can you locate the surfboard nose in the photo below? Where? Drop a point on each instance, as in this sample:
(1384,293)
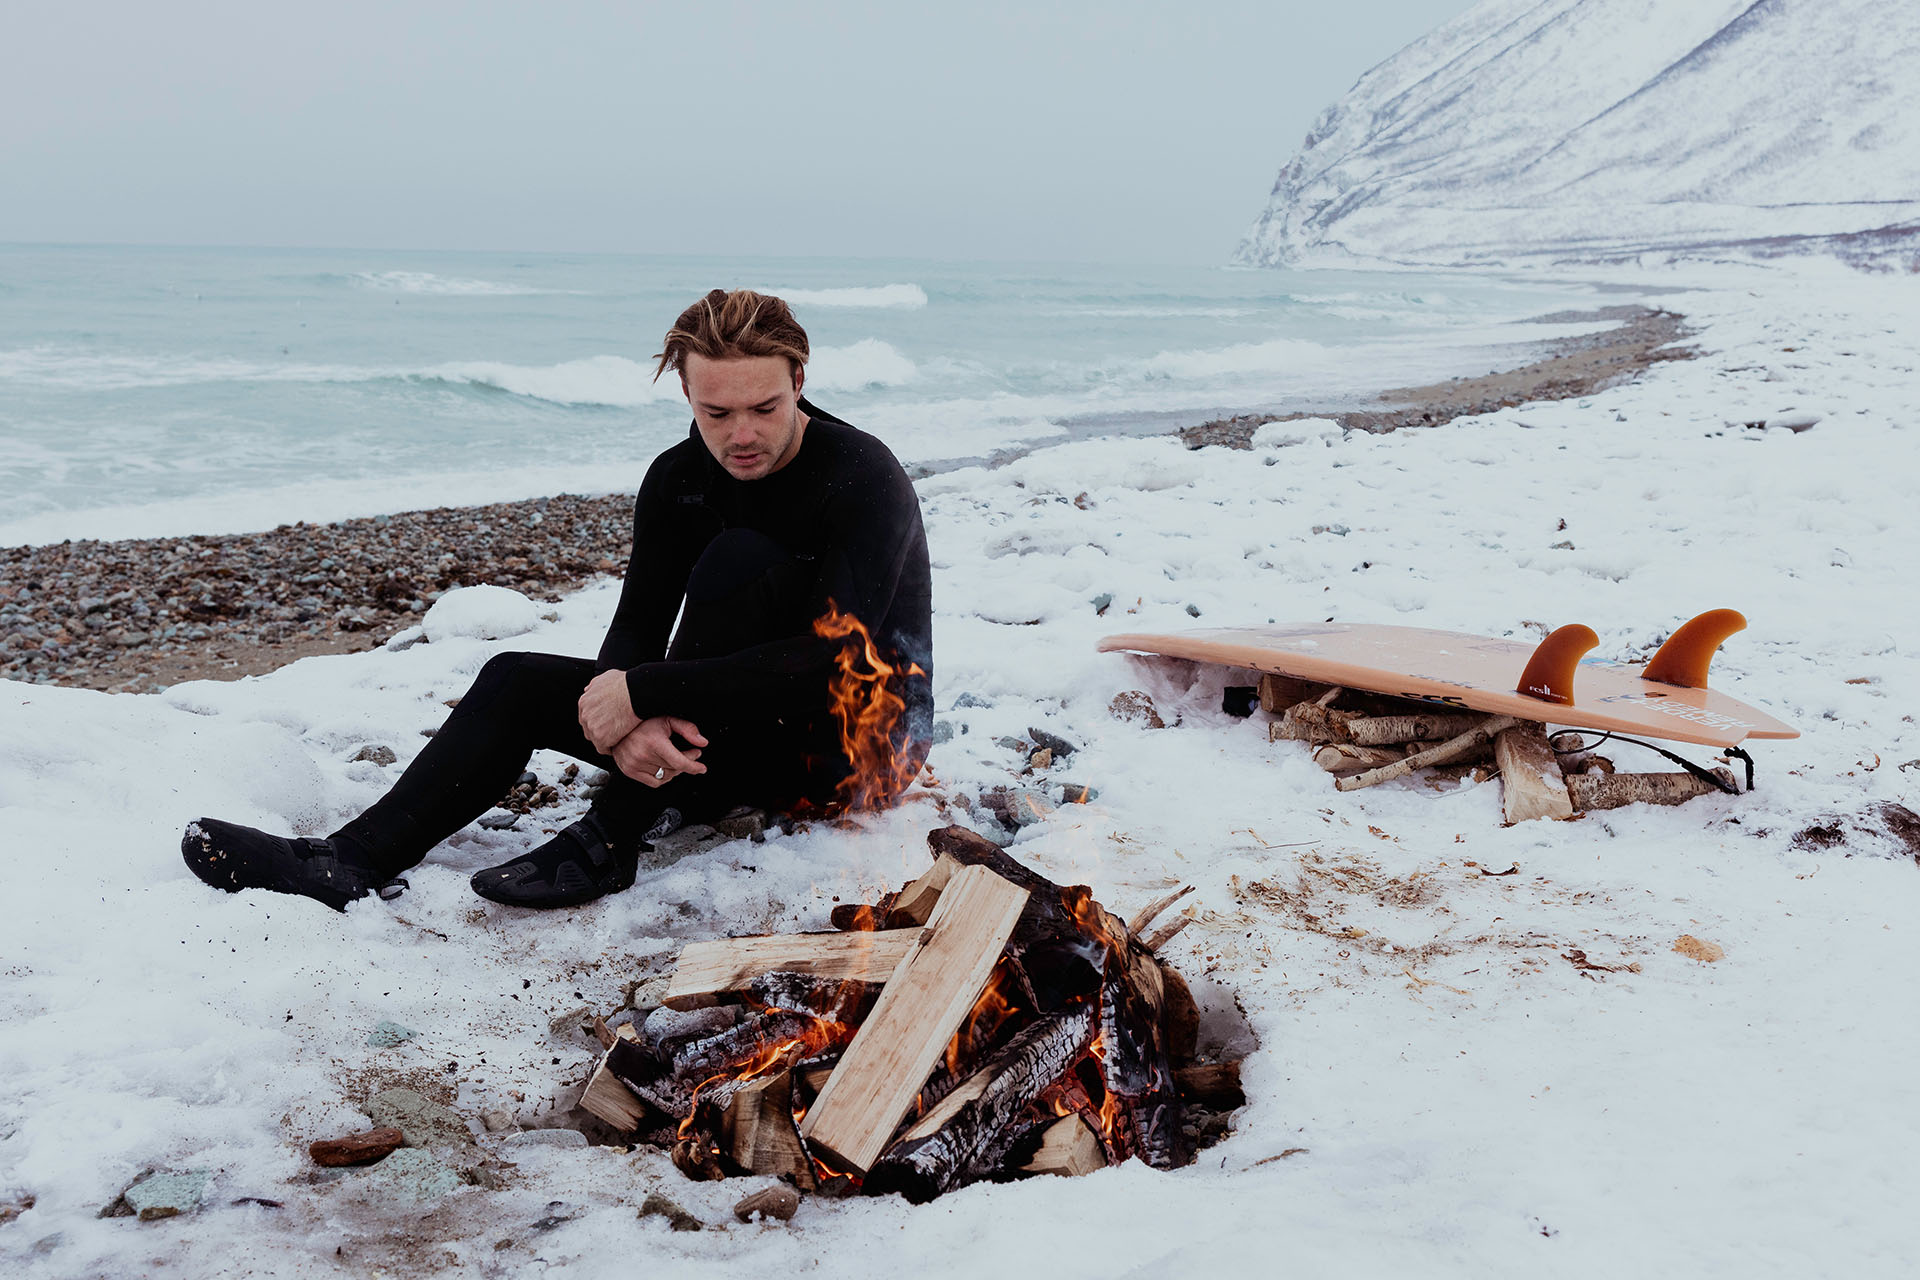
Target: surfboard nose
(1549,672)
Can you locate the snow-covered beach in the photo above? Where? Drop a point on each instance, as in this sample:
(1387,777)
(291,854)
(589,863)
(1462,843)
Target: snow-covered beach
(1433,1086)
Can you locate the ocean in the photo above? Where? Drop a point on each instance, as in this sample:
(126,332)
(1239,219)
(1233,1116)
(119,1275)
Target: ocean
(160,391)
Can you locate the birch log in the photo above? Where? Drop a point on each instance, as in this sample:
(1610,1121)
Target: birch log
(1444,753)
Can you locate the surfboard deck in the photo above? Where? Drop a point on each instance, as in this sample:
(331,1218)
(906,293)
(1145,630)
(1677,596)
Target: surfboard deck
(1479,673)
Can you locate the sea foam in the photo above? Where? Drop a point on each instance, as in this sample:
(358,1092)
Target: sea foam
(902,296)
(427,282)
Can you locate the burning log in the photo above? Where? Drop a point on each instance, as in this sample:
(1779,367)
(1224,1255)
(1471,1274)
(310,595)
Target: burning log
(758,1134)
(710,970)
(1022,1028)
(1070,1147)
(971,1139)
(921,1008)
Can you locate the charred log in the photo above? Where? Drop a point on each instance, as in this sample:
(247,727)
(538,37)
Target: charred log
(973,1142)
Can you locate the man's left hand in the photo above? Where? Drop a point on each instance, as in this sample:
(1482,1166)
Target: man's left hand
(606,711)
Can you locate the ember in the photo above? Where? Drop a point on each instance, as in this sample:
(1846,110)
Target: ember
(982,1023)
(867,707)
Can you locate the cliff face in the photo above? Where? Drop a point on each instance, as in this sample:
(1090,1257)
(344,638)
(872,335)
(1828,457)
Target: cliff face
(1584,130)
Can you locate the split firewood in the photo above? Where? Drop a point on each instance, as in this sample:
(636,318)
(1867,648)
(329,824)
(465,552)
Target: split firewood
(1531,785)
(710,970)
(1436,726)
(1131,995)
(1612,790)
(758,1134)
(1151,912)
(1278,692)
(923,1004)
(1215,1084)
(1165,933)
(607,1098)
(1069,1147)
(1444,753)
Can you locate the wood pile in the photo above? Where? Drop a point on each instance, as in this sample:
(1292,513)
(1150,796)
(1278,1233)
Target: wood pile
(1364,739)
(980,1023)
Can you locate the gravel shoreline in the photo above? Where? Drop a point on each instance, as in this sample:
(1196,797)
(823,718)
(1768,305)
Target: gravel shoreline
(137,615)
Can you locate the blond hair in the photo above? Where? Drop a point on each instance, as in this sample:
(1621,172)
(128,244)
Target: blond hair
(732,325)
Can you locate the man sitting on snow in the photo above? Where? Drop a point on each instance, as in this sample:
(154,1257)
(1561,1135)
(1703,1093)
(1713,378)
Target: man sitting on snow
(746,530)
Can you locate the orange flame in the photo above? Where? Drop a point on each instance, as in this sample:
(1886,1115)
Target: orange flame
(867,706)
(992,1011)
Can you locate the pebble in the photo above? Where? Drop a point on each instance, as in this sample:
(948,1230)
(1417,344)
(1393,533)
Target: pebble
(1135,706)
(386,1035)
(417,1175)
(1101,603)
(970,700)
(376,754)
(165,1195)
(1053,742)
(778,1202)
(744,824)
(358,1148)
(657,1205)
(423,1122)
(496,1120)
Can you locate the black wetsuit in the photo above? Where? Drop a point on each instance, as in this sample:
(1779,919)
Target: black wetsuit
(747,566)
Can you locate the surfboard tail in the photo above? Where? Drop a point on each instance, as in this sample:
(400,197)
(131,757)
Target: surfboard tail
(1683,660)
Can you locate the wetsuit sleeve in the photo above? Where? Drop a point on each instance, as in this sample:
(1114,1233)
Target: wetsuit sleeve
(873,533)
(656,579)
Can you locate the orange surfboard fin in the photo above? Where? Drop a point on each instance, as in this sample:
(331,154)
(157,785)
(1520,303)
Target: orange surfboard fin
(1688,652)
(1549,672)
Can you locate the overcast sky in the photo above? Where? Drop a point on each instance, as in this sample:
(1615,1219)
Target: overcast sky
(1059,129)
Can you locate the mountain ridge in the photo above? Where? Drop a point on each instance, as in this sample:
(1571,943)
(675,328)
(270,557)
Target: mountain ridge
(1584,130)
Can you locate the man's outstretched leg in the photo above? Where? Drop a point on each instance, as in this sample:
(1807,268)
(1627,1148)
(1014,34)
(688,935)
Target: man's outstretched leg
(520,701)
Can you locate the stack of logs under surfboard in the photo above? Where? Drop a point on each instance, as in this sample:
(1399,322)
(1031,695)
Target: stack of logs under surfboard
(1367,738)
(981,1022)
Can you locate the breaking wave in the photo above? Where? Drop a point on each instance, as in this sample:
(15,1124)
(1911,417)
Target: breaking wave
(1278,355)
(901,296)
(427,282)
(620,383)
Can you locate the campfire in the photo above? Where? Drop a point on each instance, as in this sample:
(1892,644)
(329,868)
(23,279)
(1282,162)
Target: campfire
(980,1023)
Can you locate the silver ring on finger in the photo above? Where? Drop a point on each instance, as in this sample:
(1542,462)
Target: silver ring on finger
(660,774)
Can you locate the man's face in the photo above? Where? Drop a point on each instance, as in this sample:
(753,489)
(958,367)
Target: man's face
(748,411)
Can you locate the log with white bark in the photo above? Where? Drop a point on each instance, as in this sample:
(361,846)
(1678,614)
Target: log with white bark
(1612,790)
(1436,726)
(1444,753)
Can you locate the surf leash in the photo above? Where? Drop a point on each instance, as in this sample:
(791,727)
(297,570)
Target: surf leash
(1704,774)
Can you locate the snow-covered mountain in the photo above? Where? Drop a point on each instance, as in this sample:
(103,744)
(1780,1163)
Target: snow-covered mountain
(1603,129)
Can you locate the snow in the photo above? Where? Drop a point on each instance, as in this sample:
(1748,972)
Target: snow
(1458,1098)
(1583,130)
(481,613)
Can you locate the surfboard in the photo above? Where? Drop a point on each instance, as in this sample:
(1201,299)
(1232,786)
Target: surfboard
(1552,681)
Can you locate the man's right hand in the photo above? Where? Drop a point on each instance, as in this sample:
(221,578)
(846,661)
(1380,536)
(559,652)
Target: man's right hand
(648,754)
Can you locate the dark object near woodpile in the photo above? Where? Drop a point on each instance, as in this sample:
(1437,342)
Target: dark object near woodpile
(983,1023)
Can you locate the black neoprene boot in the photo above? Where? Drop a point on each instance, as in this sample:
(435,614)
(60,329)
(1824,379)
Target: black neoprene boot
(581,863)
(232,857)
